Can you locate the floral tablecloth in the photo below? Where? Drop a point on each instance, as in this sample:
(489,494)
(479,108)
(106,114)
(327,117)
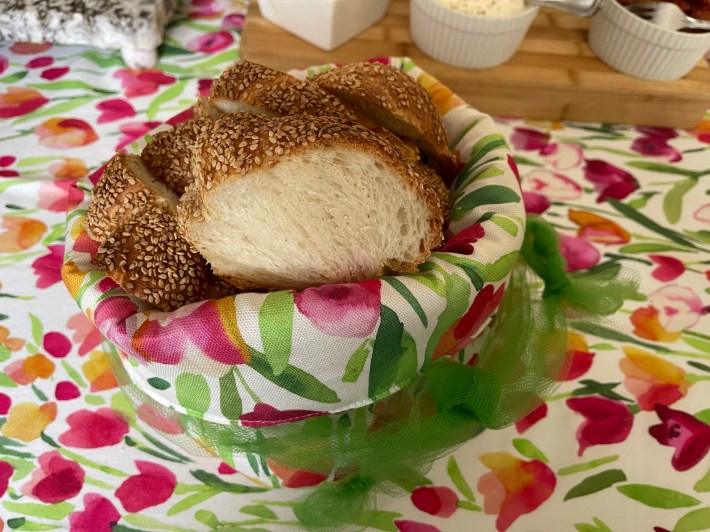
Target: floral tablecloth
(622,444)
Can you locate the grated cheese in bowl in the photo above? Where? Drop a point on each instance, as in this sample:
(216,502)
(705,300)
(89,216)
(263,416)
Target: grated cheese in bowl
(486,8)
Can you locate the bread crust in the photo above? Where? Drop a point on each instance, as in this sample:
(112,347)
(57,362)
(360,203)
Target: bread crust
(396,102)
(168,155)
(121,191)
(149,259)
(273,91)
(236,145)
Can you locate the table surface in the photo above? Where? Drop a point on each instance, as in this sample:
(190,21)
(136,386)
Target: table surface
(621,445)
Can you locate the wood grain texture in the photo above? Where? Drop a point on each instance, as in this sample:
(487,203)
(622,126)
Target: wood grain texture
(554,75)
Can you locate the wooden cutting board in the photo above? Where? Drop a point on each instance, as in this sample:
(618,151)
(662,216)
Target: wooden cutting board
(554,75)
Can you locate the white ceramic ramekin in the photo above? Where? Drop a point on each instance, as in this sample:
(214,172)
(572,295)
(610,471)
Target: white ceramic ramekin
(467,41)
(324,23)
(638,48)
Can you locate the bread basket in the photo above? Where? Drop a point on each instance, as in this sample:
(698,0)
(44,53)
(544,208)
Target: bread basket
(289,381)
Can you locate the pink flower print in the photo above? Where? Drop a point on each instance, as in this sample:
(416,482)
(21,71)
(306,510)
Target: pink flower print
(6,472)
(142,82)
(57,479)
(435,500)
(679,307)
(133,131)
(528,139)
(233,21)
(85,333)
(265,415)
(562,156)
(578,355)
(554,186)
(669,268)
(350,309)
(5,404)
(29,48)
(701,214)
(513,487)
(152,486)
(59,196)
(66,391)
(54,73)
(98,515)
(533,417)
(211,42)
(535,203)
(65,133)
(93,429)
(4,63)
(578,252)
(226,469)
(5,161)
(606,421)
(47,268)
(40,62)
(206,9)
(114,109)
(513,167)
(651,379)
(204,86)
(18,101)
(404,525)
(462,242)
(609,180)
(159,421)
(654,142)
(56,344)
(689,436)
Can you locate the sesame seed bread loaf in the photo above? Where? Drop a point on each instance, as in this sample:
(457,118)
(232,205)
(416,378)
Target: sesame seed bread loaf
(168,155)
(250,87)
(297,201)
(125,187)
(396,102)
(149,259)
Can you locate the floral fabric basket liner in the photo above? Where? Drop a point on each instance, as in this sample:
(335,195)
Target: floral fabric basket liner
(263,359)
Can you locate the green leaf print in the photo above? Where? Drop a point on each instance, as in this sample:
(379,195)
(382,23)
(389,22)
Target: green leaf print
(455,308)
(69,84)
(20,523)
(55,512)
(294,379)
(651,247)
(276,329)
(585,466)
(479,150)
(598,526)
(454,472)
(408,362)
(213,481)
(230,402)
(14,78)
(529,450)
(596,483)
(673,200)
(386,353)
(356,362)
(664,168)
(104,59)
(703,484)
(62,107)
(693,521)
(657,497)
(403,291)
(259,510)
(488,195)
(164,97)
(193,392)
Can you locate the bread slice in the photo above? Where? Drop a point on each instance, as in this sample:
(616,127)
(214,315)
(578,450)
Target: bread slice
(125,187)
(150,260)
(299,201)
(250,87)
(396,102)
(168,155)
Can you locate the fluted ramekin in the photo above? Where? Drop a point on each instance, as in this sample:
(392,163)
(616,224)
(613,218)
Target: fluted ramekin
(641,49)
(467,41)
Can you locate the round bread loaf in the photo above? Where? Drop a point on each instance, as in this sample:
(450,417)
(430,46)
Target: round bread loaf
(250,87)
(299,201)
(396,102)
(150,260)
(168,155)
(125,186)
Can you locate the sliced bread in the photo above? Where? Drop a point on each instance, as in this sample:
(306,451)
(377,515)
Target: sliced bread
(299,201)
